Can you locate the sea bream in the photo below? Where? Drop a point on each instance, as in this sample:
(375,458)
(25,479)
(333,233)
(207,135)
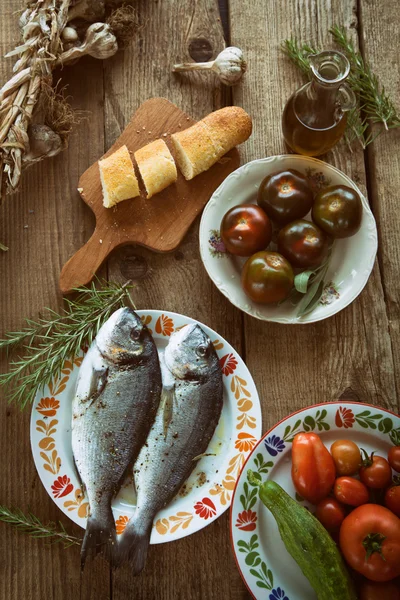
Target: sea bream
(117,396)
(188,414)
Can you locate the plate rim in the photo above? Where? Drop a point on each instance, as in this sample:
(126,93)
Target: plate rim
(306,408)
(289,320)
(221,509)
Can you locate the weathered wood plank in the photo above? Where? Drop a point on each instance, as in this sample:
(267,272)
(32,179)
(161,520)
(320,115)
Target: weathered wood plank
(303,365)
(43,225)
(194,567)
(380,41)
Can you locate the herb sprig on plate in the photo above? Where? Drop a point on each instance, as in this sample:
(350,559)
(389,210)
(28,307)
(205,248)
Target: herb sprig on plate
(46,343)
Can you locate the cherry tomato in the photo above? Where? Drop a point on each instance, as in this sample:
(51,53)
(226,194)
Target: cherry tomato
(371,590)
(267,277)
(246,229)
(370,542)
(330,513)
(375,472)
(337,210)
(350,491)
(392,499)
(285,196)
(394,458)
(346,456)
(303,244)
(313,469)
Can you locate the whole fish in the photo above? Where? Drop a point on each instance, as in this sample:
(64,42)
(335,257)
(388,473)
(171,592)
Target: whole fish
(117,396)
(188,414)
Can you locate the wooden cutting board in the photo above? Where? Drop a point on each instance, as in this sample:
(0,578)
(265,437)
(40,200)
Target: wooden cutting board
(159,223)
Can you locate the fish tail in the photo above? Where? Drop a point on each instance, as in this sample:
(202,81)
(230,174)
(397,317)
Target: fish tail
(100,537)
(134,543)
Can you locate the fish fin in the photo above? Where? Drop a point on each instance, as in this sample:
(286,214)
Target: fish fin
(167,403)
(100,538)
(134,543)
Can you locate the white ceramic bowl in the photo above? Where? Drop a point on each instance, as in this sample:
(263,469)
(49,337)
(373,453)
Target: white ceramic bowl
(352,258)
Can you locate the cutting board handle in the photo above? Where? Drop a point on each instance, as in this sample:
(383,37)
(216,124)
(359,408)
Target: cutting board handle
(82,266)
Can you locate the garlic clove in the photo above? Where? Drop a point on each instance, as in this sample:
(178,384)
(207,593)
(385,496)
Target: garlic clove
(230,65)
(69,34)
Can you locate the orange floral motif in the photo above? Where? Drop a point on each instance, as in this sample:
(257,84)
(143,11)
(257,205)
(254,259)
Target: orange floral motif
(205,509)
(218,345)
(344,417)
(164,325)
(244,405)
(235,464)
(228,364)
(246,520)
(83,507)
(220,491)
(47,443)
(244,420)
(238,387)
(146,320)
(245,442)
(121,523)
(58,385)
(162,526)
(180,519)
(52,462)
(62,486)
(48,407)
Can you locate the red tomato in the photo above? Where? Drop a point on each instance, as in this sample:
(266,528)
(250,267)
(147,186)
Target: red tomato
(370,590)
(370,542)
(346,456)
(350,491)
(392,499)
(246,229)
(394,458)
(330,513)
(375,472)
(313,469)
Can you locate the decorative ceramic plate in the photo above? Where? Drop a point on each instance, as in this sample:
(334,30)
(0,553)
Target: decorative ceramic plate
(268,570)
(205,495)
(352,258)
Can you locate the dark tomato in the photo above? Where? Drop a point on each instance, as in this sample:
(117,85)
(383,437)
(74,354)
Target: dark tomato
(285,196)
(346,456)
(392,499)
(267,277)
(375,472)
(371,590)
(337,210)
(350,491)
(394,458)
(246,229)
(370,542)
(330,513)
(303,244)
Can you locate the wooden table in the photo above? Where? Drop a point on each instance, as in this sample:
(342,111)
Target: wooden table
(354,355)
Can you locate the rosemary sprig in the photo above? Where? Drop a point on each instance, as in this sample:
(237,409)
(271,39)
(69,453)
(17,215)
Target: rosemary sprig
(35,528)
(48,342)
(299,54)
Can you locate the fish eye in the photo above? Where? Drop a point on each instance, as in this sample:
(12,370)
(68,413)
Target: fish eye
(202,350)
(135,335)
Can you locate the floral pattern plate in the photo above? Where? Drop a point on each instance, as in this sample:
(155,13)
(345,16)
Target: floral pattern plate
(352,258)
(268,570)
(205,495)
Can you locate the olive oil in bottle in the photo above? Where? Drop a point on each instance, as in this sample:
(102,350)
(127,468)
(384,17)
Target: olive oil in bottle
(315,116)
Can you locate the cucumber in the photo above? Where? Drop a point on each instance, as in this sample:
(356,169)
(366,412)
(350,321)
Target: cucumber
(309,543)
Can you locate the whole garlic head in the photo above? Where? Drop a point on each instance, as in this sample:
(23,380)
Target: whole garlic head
(100,42)
(230,65)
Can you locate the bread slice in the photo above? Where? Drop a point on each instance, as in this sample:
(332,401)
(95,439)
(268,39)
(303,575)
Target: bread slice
(118,179)
(199,147)
(195,151)
(156,166)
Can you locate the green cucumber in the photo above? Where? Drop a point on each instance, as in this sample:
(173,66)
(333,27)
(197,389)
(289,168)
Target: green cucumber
(309,543)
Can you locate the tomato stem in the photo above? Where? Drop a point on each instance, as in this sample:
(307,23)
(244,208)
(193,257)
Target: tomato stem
(367,460)
(373,543)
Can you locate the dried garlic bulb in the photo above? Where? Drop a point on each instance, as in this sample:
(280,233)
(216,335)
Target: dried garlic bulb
(99,42)
(43,143)
(69,34)
(229,65)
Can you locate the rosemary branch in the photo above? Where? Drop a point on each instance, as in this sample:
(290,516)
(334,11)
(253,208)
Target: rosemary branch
(35,528)
(48,342)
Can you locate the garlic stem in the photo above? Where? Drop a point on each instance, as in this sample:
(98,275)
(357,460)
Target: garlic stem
(229,65)
(193,66)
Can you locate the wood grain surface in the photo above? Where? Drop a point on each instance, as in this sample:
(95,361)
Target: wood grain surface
(355,354)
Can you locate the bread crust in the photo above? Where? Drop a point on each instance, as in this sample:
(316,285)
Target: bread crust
(228,127)
(156,166)
(118,179)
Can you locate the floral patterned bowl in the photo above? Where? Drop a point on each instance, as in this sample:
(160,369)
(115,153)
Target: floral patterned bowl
(205,495)
(268,570)
(352,258)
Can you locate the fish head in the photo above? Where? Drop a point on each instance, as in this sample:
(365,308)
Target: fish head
(123,337)
(190,353)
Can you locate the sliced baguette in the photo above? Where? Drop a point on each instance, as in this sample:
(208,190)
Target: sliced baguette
(199,147)
(156,166)
(118,179)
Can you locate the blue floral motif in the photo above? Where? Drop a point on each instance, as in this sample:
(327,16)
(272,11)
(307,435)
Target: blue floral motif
(274,445)
(278,594)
